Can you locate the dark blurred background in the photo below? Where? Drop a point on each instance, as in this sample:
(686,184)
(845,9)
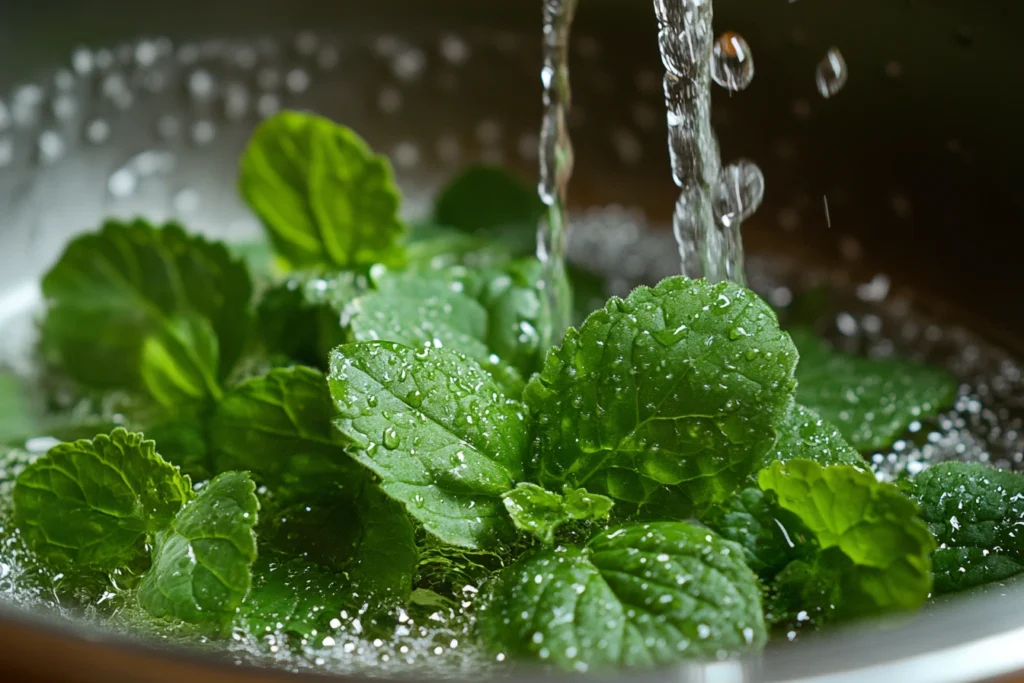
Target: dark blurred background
(918,156)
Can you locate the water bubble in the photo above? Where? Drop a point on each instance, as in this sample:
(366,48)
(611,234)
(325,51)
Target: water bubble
(6,151)
(738,193)
(831,73)
(82,61)
(51,146)
(186,201)
(122,183)
(297,81)
(201,85)
(454,49)
(203,132)
(64,106)
(168,127)
(268,104)
(732,62)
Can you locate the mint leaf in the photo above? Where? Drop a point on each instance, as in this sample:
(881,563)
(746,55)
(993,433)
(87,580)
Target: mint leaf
(434,247)
(300,317)
(871,401)
(770,536)
(415,311)
(16,417)
(540,512)
(113,290)
(636,596)
(871,537)
(279,427)
(437,430)
(93,504)
(976,514)
(292,596)
(682,385)
(202,562)
(803,434)
(484,197)
(326,199)
(364,565)
(179,362)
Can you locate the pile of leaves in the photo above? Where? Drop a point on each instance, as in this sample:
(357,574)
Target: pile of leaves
(365,414)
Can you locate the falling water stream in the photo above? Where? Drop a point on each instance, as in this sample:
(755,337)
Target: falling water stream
(556,156)
(713,201)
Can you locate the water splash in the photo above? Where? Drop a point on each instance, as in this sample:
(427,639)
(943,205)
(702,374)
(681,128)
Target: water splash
(684,39)
(831,74)
(713,201)
(556,157)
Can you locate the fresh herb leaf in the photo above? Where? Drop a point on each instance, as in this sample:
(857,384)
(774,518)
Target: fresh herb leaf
(872,540)
(352,549)
(636,596)
(113,290)
(540,512)
(448,569)
(770,536)
(437,430)
(806,436)
(976,514)
(179,361)
(682,385)
(16,417)
(484,197)
(202,562)
(326,199)
(871,401)
(279,427)
(292,596)
(435,247)
(300,317)
(94,504)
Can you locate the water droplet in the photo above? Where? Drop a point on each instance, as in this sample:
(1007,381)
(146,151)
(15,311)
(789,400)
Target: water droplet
(201,85)
(732,62)
(203,132)
(6,151)
(831,74)
(186,201)
(391,439)
(122,183)
(738,193)
(51,146)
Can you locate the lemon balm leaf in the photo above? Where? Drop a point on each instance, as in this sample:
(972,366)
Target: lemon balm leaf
(202,561)
(131,285)
(871,539)
(871,401)
(483,197)
(977,516)
(640,595)
(437,430)
(540,512)
(803,434)
(326,199)
(680,386)
(279,427)
(95,503)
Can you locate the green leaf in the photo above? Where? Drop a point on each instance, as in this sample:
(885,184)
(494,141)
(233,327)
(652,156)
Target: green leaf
(437,430)
(871,401)
(770,537)
(540,512)
(435,247)
(363,564)
(636,596)
(326,199)
(418,311)
(682,385)
(94,504)
(976,514)
(16,416)
(301,317)
(129,283)
(180,361)
(806,436)
(484,197)
(202,562)
(869,533)
(279,428)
